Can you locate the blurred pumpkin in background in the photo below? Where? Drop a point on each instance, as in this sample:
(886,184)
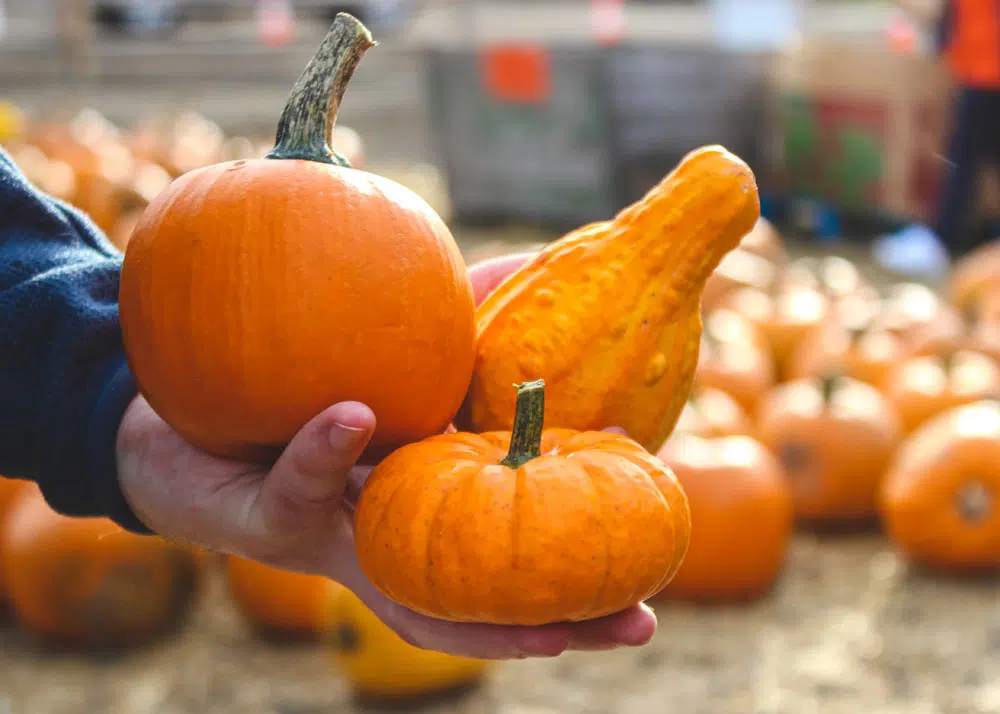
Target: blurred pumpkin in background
(854,349)
(86,582)
(834,437)
(10,491)
(766,241)
(925,386)
(939,498)
(742,508)
(278,603)
(710,413)
(738,269)
(952,331)
(733,358)
(909,309)
(790,315)
(12,121)
(974,275)
(378,664)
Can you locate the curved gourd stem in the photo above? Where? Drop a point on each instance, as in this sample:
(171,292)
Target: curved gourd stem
(529,418)
(306,125)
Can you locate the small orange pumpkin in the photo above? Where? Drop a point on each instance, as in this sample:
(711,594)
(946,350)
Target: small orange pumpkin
(712,413)
(923,387)
(255,294)
(909,309)
(856,350)
(951,332)
(939,498)
(732,358)
(523,527)
(88,583)
(734,487)
(974,275)
(793,314)
(277,602)
(834,437)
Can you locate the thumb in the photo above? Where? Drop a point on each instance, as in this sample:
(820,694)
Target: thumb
(305,488)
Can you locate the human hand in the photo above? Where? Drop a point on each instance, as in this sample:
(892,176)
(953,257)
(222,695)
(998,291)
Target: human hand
(296,514)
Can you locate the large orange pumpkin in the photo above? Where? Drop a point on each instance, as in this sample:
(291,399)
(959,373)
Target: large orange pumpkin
(522,527)
(278,602)
(834,437)
(735,487)
(923,387)
(86,582)
(939,498)
(255,294)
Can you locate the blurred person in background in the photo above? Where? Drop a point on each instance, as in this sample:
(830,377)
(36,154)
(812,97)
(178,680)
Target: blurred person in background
(967,34)
(73,32)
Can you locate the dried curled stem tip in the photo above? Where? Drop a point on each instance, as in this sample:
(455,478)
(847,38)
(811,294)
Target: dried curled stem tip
(306,126)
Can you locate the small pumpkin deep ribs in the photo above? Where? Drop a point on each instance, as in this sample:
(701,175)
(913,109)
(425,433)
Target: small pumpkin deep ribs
(609,315)
(522,528)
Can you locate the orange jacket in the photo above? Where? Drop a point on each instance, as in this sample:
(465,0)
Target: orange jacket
(970,40)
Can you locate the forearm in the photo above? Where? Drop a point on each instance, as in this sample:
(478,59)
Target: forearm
(63,376)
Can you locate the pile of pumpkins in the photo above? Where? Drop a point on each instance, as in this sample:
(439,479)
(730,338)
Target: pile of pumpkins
(822,402)
(111,174)
(84,584)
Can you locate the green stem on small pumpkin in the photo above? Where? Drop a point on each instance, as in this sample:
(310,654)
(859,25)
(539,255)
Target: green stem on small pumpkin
(306,125)
(947,358)
(529,418)
(828,385)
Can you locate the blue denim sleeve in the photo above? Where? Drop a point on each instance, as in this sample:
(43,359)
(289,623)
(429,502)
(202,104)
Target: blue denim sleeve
(64,383)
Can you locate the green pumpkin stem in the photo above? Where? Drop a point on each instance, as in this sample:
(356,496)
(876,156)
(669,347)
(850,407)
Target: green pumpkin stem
(306,125)
(529,418)
(828,385)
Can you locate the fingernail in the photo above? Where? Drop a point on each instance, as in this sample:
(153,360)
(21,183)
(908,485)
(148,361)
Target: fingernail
(345,437)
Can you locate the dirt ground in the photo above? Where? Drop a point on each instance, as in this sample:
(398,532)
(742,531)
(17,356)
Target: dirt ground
(849,629)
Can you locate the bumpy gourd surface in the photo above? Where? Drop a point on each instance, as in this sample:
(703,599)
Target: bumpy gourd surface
(592,526)
(609,315)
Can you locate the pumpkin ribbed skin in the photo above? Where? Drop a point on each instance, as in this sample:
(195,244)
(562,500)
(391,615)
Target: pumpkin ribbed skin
(250,302)
(256,293)
(592,526)
(609,315)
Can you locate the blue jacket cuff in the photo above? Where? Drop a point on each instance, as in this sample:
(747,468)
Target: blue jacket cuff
(102,438)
